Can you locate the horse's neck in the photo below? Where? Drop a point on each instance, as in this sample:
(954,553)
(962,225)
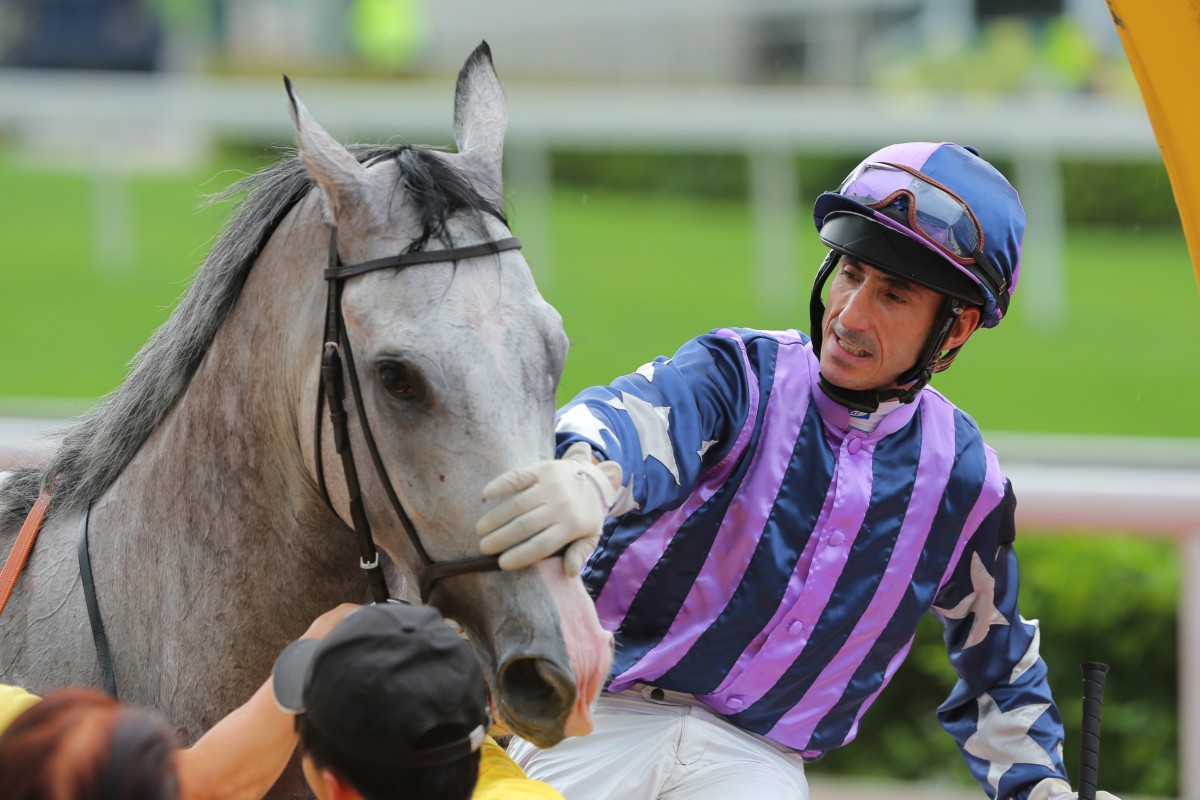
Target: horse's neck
(220,499)
(229,448)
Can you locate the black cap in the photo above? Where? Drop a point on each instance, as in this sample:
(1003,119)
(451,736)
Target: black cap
(381,680)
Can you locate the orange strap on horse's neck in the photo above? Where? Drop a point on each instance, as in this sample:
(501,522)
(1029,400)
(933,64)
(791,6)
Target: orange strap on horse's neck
(22,548)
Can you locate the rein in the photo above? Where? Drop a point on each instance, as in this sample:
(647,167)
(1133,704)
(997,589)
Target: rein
(332,391)
(22,547)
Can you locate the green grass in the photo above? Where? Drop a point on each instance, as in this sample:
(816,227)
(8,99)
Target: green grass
(69,324)
(633,276)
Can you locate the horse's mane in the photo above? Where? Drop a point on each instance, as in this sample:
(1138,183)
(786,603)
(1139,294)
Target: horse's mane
(97,446)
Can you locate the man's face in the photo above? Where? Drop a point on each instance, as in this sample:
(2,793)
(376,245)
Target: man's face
(875,326)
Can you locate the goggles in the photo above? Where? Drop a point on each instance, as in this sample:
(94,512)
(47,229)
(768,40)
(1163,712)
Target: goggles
(932,210)
(929,209)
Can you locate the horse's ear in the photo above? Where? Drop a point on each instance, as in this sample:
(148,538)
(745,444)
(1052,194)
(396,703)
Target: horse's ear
(338,173)
(480,119)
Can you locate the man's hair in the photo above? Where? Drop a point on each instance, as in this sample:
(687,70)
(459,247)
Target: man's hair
(80,743)
(454,780)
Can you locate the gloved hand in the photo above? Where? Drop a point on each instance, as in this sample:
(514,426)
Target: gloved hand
(1058,789)
(554,504)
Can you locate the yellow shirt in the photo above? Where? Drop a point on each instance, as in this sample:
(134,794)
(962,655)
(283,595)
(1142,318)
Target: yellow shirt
(14,700)
(500,778)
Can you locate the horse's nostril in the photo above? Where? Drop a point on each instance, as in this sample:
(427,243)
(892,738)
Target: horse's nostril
(536,698)
(525,678)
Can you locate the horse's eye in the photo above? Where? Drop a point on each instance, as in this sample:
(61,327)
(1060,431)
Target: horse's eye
(399,380)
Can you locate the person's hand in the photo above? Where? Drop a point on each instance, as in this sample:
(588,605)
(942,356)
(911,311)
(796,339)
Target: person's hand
(553,504)
(1058,789)
(322,625)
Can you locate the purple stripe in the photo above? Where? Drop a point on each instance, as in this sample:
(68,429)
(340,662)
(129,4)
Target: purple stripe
(933,472)
(912,154)
(893,665)
(747,516)
(795,588)
(844,510)
(984,505)
(634,565)
(782,648)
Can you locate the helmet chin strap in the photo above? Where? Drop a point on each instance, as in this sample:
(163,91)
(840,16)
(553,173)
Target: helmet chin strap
(911,382)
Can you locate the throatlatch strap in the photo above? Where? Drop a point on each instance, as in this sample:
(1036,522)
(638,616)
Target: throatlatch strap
(93,608)
(22,548)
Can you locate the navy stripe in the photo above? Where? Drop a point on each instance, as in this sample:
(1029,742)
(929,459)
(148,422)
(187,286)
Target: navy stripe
(761,590)
(960,497)
(615,538)
(659,599)
(894,469)
(983,664)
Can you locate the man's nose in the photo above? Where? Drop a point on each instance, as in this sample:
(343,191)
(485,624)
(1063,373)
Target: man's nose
(855,312)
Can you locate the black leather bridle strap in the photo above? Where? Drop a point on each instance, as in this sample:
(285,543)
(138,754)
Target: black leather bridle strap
(93,607)
(331,373)
(340,270)
(332,391)
(436,570)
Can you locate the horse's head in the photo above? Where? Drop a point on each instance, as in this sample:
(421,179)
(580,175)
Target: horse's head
(450,365)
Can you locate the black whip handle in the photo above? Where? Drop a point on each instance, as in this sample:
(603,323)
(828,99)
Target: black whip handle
(1094,674)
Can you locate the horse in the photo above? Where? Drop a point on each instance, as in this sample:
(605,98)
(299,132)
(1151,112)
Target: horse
(206,494)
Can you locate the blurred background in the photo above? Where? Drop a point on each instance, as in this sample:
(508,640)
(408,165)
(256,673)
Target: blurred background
(661,163)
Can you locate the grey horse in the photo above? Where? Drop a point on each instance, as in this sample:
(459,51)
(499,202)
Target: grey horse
(220,521)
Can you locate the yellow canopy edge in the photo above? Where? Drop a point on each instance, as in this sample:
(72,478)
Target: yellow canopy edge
(1162,41)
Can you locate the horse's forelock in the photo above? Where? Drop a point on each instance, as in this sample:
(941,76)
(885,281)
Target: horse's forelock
(438,190)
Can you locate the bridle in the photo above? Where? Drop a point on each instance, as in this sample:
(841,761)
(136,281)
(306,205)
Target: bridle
(332,391)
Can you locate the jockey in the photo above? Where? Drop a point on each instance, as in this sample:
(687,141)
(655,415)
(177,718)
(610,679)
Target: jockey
(773,512)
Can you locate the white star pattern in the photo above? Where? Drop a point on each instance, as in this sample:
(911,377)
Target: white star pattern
(652,423)
(704,447)
(1031,655)
(1002,738)
(582,420)
(647,371)
(980,602)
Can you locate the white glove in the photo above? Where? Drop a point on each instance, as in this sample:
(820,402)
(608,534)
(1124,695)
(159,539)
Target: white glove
(1058,789)
(554,504)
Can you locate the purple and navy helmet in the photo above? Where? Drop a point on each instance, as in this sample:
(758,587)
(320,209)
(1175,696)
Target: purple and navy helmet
(957,207)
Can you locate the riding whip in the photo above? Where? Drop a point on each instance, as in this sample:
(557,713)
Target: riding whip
(1089,747)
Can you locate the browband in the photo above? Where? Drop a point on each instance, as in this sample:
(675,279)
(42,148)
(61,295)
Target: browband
(423,257)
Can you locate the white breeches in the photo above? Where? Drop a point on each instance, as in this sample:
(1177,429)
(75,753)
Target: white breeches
(654,745)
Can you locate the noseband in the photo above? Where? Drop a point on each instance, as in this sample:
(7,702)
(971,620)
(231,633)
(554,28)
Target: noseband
(332,391)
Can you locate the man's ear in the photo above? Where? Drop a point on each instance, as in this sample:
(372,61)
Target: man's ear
(337,786)
(967,322)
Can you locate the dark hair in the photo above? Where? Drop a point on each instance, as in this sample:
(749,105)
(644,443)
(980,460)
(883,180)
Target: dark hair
(451,781)
(79,744)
